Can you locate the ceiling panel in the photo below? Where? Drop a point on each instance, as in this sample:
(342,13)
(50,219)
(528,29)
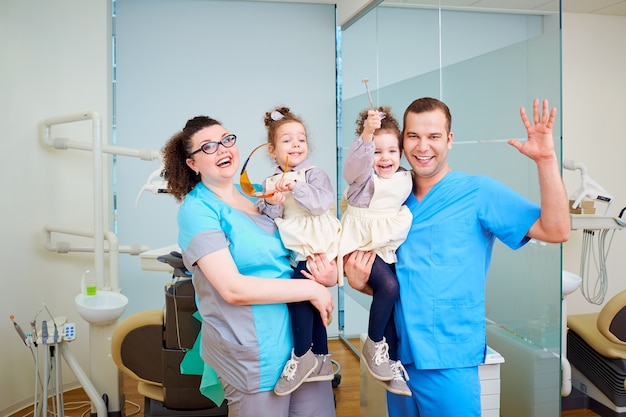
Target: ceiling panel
(607,7)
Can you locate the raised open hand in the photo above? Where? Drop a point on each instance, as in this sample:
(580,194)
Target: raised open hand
(540,143)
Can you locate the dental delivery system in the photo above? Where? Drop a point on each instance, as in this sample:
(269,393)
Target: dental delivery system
(589,189)
(154,184)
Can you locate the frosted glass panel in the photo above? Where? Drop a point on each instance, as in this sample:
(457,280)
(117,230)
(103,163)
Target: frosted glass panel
(485,66)
(177,59)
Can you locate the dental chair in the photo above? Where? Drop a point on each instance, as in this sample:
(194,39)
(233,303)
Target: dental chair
(596,347)
(149,346)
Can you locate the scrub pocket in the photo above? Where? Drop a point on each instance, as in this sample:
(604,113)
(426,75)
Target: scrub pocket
(236,364)
(454,320)
(449,243)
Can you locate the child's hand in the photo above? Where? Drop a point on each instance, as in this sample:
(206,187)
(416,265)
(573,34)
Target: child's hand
(285,184)
(372,123)
(276,199)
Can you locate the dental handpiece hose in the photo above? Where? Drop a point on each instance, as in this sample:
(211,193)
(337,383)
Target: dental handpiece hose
(33,327)
(46,373)
(18,329)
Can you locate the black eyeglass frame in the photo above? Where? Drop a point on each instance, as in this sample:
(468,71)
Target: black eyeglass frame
(228,139)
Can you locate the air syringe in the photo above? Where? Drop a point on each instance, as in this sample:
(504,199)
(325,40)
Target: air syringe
(18,329)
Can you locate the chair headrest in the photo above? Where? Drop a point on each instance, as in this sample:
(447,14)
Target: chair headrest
(612,319)
(175,260)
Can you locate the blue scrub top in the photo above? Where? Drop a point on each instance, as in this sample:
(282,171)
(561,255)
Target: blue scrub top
(442,267)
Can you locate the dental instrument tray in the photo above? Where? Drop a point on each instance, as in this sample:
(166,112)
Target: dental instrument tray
(175,260)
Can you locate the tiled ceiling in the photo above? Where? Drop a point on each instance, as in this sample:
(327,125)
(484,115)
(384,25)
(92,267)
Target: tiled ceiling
(604,7)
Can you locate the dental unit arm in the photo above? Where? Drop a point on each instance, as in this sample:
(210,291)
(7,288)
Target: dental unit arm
(589,189)
(153,185)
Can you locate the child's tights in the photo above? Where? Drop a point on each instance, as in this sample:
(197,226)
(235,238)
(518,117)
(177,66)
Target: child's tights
(386,292)
(308,329)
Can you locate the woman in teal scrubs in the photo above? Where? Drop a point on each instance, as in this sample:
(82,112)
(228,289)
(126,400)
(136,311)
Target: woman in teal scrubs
(241,276)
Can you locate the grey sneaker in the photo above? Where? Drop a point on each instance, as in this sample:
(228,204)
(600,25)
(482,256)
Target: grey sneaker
(376,357)
(324,370)
(398,384)
(296,370)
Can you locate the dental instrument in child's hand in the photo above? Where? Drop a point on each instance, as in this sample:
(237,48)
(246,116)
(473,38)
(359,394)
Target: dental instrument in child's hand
(244,180)
(369,96)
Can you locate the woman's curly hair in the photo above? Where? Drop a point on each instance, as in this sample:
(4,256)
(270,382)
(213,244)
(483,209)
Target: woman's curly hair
(179,176)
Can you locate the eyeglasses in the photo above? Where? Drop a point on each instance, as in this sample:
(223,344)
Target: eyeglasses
(244,181)
(211,147)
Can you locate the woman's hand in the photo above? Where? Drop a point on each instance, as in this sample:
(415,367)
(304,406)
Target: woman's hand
(357,267)
(321,269)
(323,301)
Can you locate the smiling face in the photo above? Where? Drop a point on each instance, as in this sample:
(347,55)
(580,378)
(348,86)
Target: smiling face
(386,154)
(218,166)
(289,141)
(426,142)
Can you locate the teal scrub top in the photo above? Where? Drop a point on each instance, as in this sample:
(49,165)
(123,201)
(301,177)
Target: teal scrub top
(247,345)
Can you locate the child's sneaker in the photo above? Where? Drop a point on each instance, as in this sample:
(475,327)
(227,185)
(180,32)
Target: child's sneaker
(398,384)
(324,370)
(296,370)
(376,357)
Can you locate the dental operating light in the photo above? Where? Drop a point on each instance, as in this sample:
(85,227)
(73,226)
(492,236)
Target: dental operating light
(589,189)
(155,184)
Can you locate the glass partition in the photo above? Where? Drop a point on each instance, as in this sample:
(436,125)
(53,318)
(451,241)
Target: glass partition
(485,64)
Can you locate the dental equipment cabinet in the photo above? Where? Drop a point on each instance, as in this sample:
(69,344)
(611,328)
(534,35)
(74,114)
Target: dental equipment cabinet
(52,337)
(102,310)
(594,378)
(594,226)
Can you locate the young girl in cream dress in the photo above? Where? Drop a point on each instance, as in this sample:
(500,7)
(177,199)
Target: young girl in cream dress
(302,205)
(376,219)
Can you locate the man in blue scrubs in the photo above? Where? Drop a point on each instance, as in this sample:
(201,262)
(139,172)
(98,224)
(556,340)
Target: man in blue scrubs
(442,266)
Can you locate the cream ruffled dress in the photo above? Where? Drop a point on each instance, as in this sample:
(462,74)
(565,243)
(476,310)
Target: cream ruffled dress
(382,226)
(305,234)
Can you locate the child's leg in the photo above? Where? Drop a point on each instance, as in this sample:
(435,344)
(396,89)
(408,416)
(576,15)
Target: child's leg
(303,362)
(392,338)
(385,293)
(310,322)
(320,337)
(385,289)
(301,318)
(397,384)
(316,337)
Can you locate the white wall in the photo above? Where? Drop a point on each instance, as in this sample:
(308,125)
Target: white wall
(594,105)
(55,62)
